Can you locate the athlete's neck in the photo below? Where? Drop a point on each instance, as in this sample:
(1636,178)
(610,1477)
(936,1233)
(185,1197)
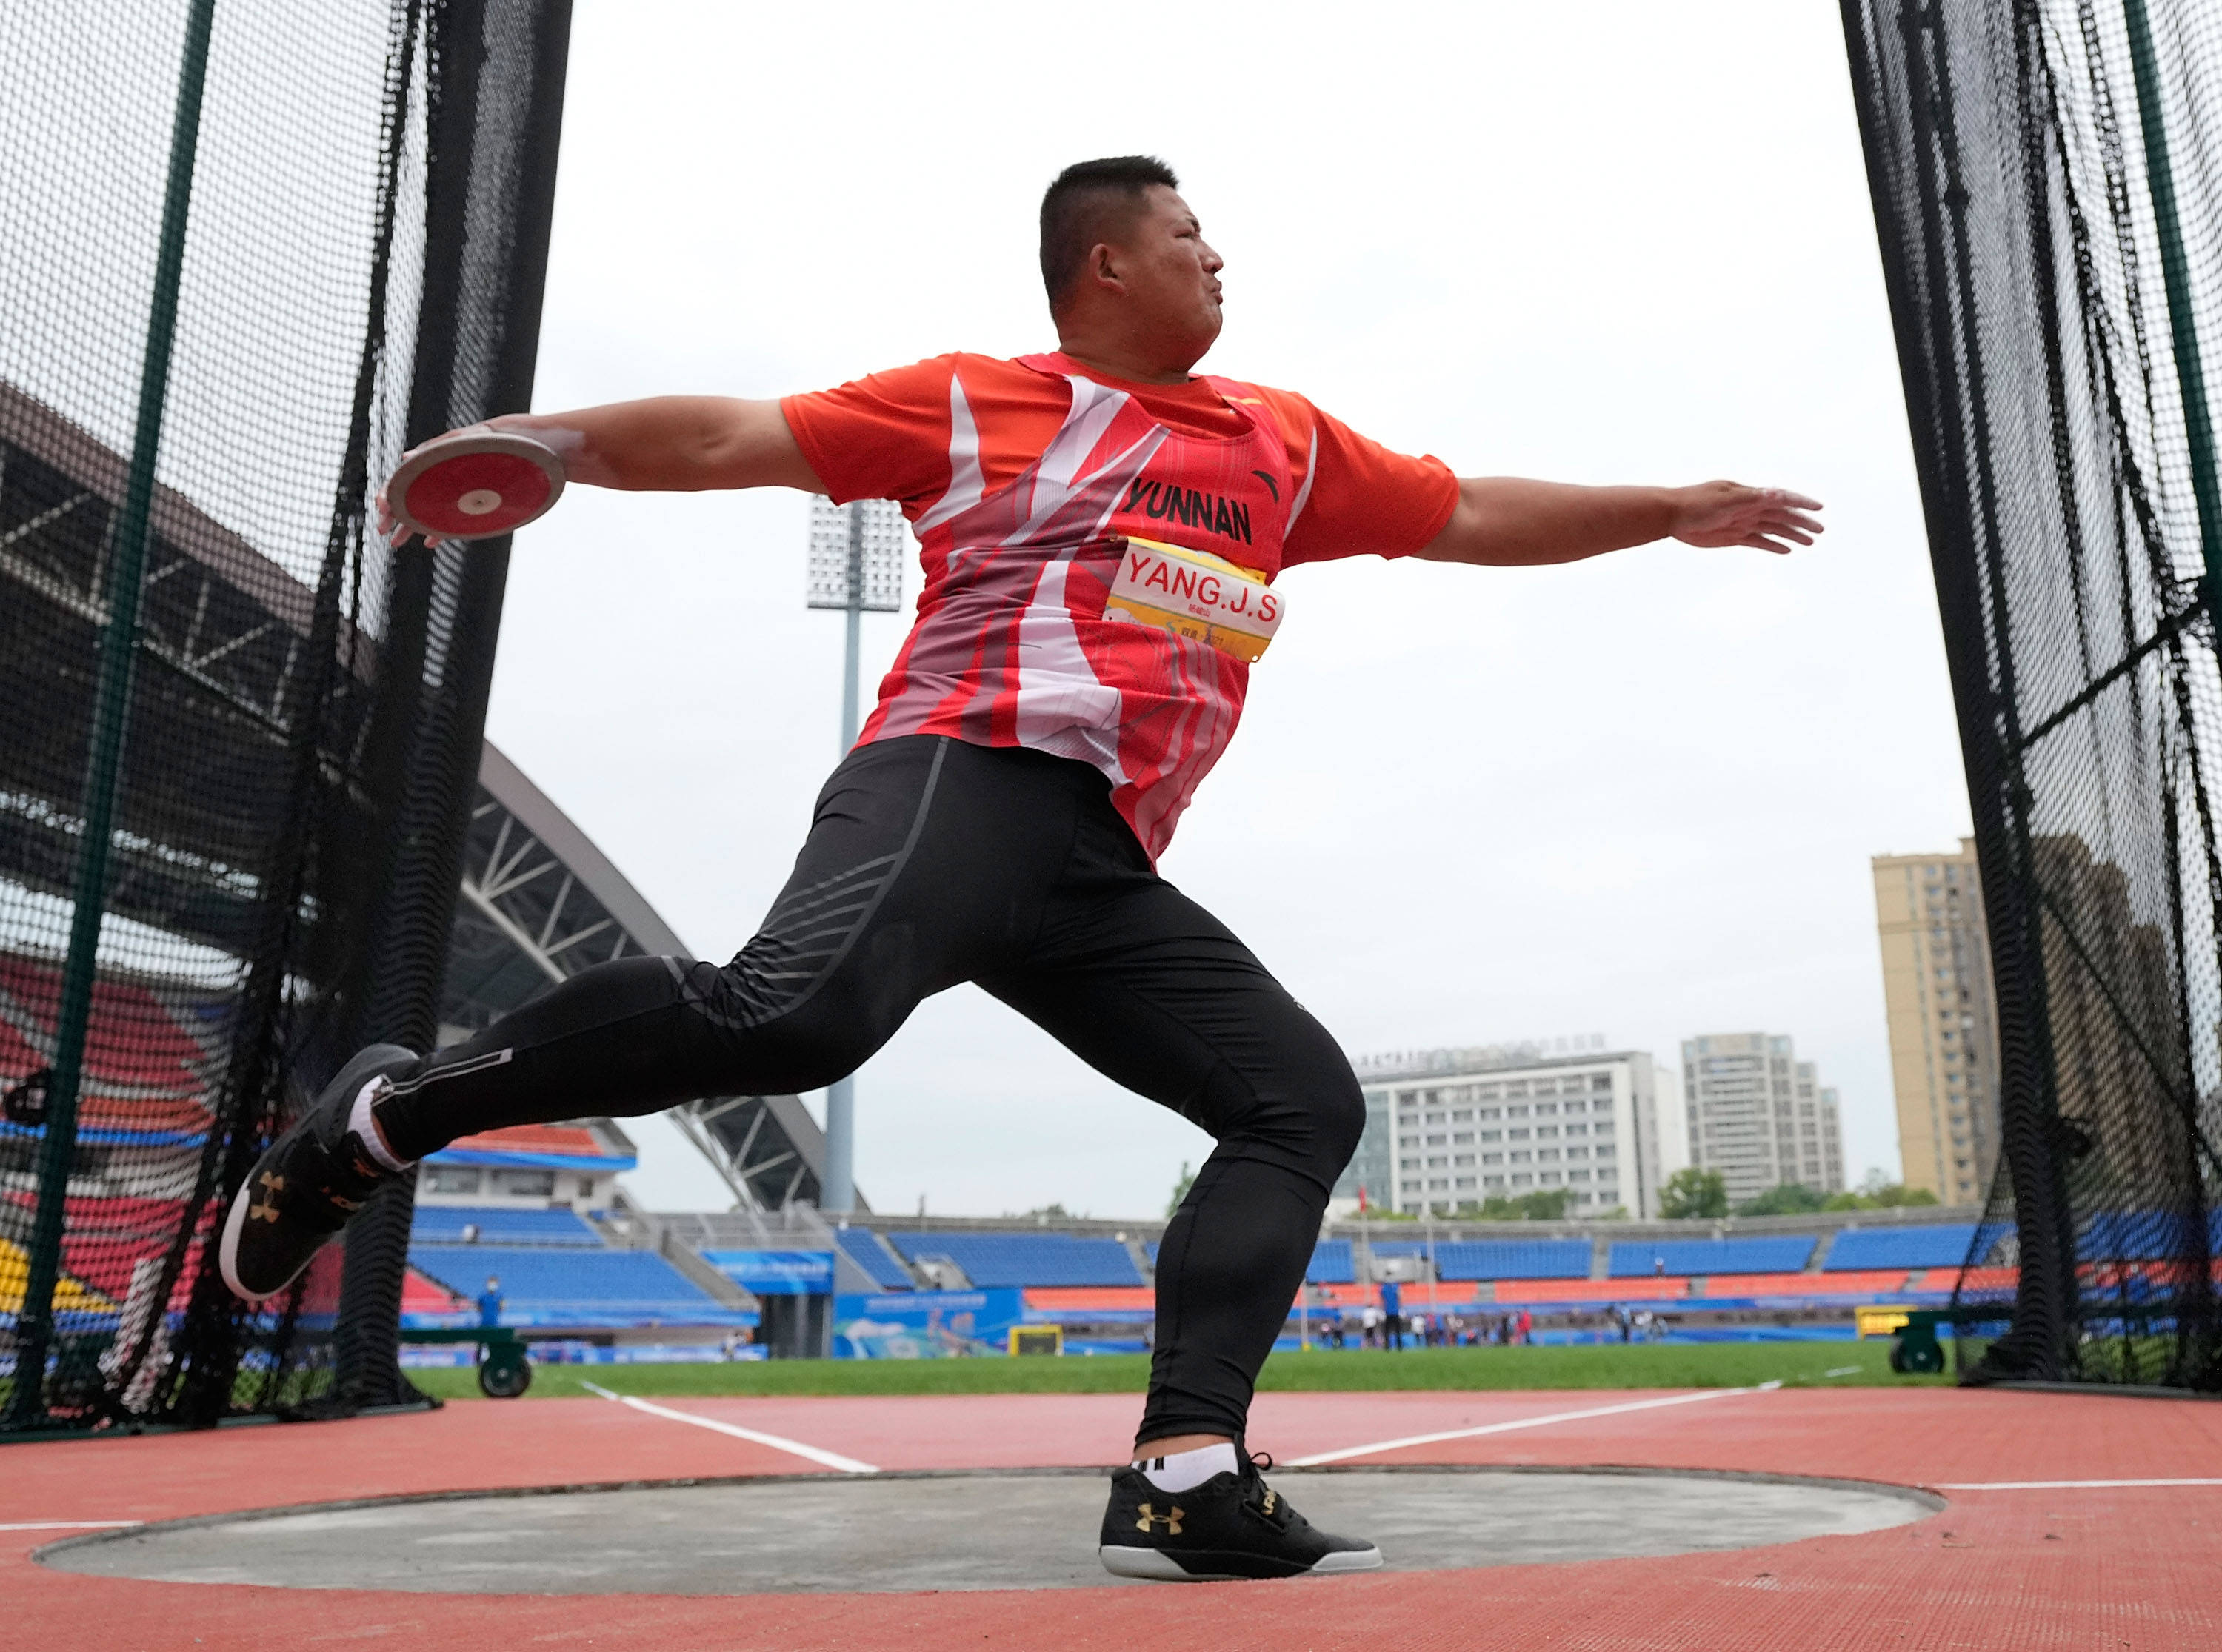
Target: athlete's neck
(1135,367)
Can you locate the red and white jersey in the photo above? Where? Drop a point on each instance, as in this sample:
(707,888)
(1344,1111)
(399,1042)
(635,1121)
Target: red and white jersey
(1022,545)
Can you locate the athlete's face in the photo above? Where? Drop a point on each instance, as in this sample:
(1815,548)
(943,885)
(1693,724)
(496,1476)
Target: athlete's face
(1170,274)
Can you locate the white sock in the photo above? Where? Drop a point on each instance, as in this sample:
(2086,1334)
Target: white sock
(360,1122)
(1186,1470)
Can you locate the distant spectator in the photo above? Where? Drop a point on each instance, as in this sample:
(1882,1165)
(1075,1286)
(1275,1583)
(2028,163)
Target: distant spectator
(1625,1320)
(1392,1316)
(1525,1328)
(490,1304)
(1369,1327)
(1658,1266)
(470,1233)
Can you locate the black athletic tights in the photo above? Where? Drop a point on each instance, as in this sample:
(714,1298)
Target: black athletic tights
(930,862)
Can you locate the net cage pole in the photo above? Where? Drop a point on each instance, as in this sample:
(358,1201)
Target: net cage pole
(474,359)
(2199,1333)
(2175,277)
(119,650)
(2073,519)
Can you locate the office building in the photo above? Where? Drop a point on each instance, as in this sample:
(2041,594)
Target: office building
(1451,1128)
(1760,1116)
(1943,1019)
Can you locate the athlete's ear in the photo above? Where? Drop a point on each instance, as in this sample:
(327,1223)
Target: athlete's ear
(1102,266)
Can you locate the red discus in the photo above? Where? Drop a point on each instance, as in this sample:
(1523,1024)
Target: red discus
(475,485)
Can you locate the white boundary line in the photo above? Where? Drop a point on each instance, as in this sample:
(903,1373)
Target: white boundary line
(827,1459)
(1319,1457)
(2059,1485)
(66,1525)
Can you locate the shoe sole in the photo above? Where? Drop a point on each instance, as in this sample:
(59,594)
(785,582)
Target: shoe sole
(349,1079)
(1158,1565)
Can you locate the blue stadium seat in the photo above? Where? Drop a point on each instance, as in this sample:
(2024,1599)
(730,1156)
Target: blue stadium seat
(575,1286)
(1513,1259)
(1632,1259)
(863,1247)
(1943,1246)
(1332,1264)
(992,1260)
(443,1224)
(2141,1236)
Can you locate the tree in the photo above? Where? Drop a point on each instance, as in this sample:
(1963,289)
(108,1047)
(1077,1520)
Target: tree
(1694,1192)
(1876,1194)
(1791,1198)
(1545,1204)
(1180,1188)
(1897,1194)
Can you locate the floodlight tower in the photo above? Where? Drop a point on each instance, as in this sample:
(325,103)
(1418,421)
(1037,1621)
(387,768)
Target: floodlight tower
(856,552)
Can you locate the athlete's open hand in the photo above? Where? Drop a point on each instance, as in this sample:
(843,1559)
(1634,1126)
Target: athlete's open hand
(1729,513)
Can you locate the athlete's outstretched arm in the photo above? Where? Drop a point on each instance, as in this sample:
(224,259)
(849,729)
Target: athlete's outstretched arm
(673,444)
(1504,522)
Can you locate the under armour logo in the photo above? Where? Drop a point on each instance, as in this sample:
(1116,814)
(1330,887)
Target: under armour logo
(267,1210)
(1151,1517)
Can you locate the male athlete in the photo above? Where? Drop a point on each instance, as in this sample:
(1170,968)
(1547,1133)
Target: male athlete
(1101,530)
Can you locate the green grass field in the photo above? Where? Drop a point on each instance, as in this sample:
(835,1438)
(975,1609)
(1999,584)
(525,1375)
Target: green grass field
(1720,1365)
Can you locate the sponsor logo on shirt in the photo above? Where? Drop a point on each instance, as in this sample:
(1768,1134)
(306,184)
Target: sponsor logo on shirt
(1194,594)
(1191,507)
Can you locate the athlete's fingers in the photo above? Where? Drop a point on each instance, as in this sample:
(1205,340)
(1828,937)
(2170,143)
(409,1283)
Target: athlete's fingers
(1761,542)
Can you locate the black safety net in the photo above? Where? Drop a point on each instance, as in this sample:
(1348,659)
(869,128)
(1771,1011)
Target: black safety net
(2047,178)
(249,252)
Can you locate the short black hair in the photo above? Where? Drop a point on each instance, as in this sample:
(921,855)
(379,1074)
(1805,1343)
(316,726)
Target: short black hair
(1087,201)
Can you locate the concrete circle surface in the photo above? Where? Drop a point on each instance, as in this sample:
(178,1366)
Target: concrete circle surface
(957,1531)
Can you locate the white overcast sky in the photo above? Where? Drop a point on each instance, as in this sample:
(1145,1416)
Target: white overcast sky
(1600,243)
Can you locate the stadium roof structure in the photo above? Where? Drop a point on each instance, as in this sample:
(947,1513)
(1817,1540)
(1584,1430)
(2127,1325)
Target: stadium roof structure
(223,627)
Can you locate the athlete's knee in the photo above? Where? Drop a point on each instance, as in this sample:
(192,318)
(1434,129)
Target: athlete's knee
(1341,1107)
(1305,1113)
(787,1037)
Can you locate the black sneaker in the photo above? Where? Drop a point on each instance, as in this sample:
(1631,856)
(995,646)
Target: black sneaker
(303,1189)
(1231,1526)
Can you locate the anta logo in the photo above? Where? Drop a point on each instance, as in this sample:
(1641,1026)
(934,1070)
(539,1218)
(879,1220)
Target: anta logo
(1213,512)
(1151,1517)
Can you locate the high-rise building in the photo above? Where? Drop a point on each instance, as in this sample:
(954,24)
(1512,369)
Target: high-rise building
(1943,1020)
(1446,1128)
(1760,1116)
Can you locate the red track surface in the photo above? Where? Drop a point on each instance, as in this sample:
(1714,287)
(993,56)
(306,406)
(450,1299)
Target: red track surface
(2080,1567)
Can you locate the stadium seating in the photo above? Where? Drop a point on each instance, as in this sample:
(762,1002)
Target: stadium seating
(1636,1290)
(2139,1235)
(443,1224)
(1332,1263)
(1513,1259)
(574,1286)
(991,1260)
(569,1140)
(1943,1246)
(1889,1281)
(1784,1254)
(863,1247)
(133,1040)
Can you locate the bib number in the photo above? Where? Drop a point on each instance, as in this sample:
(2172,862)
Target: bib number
(1194,594)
